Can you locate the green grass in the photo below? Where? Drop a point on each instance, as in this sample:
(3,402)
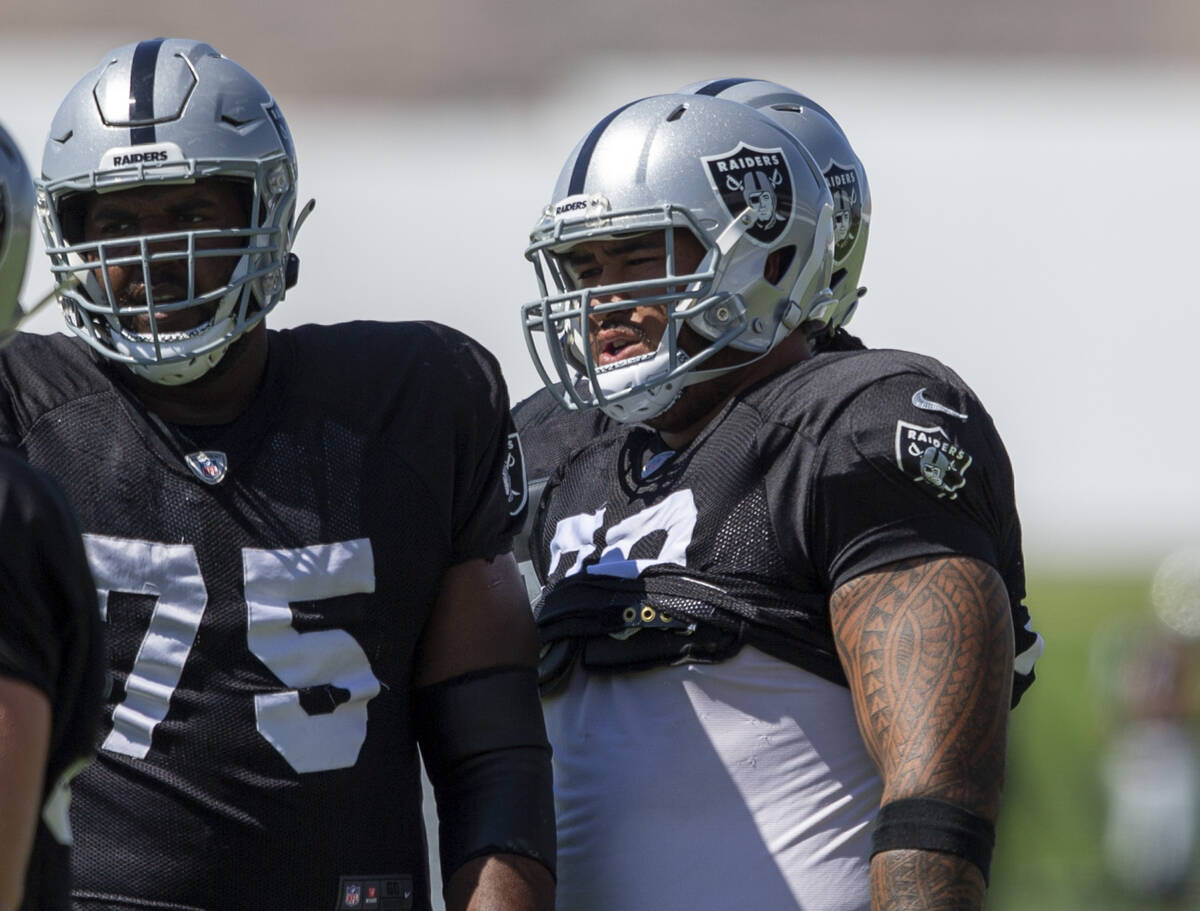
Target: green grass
(1048,854)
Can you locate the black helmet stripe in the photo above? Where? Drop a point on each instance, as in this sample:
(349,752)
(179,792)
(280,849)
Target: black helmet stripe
(141,91)
(579,174)
(716,88)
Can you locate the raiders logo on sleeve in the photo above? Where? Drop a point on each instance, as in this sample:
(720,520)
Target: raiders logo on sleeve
(928,455)
(516,489)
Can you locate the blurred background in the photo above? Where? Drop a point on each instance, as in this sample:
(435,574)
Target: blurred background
(1034,168)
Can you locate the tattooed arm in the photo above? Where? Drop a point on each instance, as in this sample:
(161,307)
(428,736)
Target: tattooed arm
(927,645)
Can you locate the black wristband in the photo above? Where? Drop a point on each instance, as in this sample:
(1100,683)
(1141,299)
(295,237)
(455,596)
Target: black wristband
(924,824)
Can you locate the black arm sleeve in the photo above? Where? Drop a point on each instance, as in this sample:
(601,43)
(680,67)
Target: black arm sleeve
(484,744)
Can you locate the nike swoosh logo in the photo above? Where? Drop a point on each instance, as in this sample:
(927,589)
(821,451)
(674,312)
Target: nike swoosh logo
(925,404)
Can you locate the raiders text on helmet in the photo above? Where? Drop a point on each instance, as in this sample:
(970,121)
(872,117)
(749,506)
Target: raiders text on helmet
(820,134)
(170,111)
(744,187)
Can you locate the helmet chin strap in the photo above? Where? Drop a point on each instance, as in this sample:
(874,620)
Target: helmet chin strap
(174,370)
(655,400)
(648,402)
(178,373)
(640,407)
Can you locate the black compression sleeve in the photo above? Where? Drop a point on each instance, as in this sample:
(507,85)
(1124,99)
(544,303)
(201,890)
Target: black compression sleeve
(484,744)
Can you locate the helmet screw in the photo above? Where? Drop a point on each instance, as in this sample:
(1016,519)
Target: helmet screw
(759,325)
(278,181)
(722,314)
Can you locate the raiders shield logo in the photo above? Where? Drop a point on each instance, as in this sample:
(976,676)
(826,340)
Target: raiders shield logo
(515,487)
(847,208)
(928,456)
(758,180)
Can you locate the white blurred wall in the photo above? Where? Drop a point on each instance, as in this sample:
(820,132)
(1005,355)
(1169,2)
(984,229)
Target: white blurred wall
(1032,228)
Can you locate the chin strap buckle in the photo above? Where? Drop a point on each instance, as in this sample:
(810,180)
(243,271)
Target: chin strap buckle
(291,272)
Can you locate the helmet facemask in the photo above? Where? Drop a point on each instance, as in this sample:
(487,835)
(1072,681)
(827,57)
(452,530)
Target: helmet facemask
(634,387)
(258,253)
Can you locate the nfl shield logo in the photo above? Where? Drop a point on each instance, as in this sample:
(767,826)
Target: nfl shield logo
(353,895)
(210,467)
(757,181)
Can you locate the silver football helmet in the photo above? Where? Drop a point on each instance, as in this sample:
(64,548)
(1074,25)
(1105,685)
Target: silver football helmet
(16,222)
(820,134)
(170,111)
(733,178)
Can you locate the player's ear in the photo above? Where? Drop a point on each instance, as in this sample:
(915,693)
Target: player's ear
(777,264)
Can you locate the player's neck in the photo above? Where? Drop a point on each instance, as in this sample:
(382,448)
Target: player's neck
(707,403)
(219,396)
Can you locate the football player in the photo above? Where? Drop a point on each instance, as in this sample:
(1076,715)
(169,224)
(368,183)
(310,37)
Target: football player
(782,616)
(550,433)
(301,539)
(51,655)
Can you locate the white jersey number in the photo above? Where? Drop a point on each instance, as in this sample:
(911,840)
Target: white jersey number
(273,580)
(575,535)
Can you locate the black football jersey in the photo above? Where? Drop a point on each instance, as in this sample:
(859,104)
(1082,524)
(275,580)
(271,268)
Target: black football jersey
(837,466)
(50,637)
(265,584)
(550,433)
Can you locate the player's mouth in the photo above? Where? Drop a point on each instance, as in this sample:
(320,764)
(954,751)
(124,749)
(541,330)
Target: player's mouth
(619,343)
(170,324)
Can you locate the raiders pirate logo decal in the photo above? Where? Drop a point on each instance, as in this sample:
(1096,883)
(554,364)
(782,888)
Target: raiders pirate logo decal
(928,456)
(847,207)
(757,180)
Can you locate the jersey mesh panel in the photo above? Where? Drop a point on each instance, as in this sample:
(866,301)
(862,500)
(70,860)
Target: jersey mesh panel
(211,724)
